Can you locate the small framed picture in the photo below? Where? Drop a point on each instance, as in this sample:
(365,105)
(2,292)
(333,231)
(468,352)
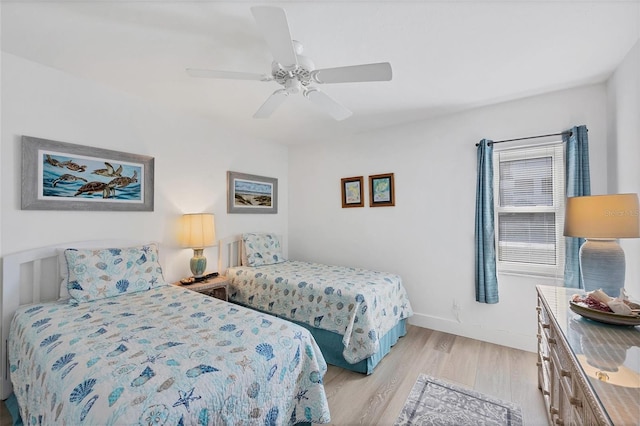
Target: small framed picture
(251,193)
(381,190)
(352,192)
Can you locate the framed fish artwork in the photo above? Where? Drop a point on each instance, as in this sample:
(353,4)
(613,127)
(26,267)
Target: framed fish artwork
(64,176)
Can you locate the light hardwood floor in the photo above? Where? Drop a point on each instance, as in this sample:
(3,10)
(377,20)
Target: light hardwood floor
(499,371)
(5,417)
(356,399)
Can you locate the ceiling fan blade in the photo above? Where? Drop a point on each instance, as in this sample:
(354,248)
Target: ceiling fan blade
(355,73)
(193,72)
(327,104)
(274,27)
(271,104)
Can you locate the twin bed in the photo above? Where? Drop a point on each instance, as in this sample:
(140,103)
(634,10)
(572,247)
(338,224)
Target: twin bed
(127,348)
(123,346)
(355,315)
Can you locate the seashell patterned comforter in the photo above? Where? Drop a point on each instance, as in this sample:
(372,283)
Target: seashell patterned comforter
(164,356)
(359,304)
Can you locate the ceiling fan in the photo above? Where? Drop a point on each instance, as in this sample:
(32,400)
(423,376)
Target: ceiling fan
(295,72)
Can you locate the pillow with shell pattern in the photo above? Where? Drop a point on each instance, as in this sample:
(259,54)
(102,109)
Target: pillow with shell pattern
(262,249)
(101,273)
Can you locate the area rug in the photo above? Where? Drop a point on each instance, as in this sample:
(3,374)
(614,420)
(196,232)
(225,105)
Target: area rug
(438,403)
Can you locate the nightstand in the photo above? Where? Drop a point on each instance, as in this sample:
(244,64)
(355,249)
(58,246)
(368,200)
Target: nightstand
(217,287)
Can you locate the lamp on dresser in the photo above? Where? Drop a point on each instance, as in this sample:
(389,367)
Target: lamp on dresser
(602,219)
(197,231)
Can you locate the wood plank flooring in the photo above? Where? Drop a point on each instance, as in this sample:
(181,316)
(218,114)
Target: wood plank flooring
(356,399)
(499,371)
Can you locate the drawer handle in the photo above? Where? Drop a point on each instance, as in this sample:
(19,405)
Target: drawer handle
(575,401)
(553,410)
(538,308)
(552,341)
(565,373)
(544,325)
(545,358)
(539,364)
(545,392)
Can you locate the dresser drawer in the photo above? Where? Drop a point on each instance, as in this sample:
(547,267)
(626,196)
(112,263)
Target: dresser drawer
(568,393)
(543,315)
(544,322)
(564,366)
(582,412)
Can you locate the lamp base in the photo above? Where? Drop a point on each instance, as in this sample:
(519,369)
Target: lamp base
(198,263)
(603,266)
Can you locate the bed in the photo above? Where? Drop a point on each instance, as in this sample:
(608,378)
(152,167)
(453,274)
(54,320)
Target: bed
(127,348)
(355,315)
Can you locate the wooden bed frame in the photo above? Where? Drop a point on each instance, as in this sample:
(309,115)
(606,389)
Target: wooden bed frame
(32,276)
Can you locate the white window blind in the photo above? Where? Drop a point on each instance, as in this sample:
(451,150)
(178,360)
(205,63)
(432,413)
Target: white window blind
(529,209)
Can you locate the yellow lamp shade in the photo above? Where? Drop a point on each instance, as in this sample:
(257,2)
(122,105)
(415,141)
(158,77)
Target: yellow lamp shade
(602,216)
(197,230)
(602,219)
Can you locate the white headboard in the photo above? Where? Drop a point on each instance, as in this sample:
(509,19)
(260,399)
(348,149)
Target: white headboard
(230,252)
(32,276)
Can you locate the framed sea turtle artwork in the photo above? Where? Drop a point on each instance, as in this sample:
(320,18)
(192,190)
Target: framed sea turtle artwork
(65,176)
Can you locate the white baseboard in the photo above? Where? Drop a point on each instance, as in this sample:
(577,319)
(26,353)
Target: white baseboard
(520,341)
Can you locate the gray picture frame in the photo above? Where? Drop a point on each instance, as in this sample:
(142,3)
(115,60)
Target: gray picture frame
(251,194)
(65,176)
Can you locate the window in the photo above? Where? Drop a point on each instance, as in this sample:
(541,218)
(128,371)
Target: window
(529,209)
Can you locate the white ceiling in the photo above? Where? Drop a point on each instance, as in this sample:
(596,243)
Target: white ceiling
(446,55)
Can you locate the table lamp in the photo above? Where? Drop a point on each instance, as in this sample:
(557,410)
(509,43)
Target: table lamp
(602,219)
(197,231)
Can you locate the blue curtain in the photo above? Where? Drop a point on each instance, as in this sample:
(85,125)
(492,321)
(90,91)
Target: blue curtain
(486,277)
(578,184)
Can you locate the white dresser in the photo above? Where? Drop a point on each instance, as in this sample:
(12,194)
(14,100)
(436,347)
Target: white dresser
(588,372)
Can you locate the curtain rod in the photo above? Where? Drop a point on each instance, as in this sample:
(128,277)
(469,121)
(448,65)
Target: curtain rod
(568,132)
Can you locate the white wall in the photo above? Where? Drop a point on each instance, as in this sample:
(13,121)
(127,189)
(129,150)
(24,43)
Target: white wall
(428,237)
(624,140)
(0,133)
(191,155)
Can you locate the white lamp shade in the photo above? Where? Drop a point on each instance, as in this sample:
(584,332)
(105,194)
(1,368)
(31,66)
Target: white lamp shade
(197,230)
(602,216)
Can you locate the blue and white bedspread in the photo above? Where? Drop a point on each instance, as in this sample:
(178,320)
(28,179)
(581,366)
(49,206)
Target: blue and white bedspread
(164,356)
(359,304)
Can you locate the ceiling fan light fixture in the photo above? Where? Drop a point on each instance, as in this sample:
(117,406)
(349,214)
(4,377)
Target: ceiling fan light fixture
(306,63)
(295,72)
(293,86)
